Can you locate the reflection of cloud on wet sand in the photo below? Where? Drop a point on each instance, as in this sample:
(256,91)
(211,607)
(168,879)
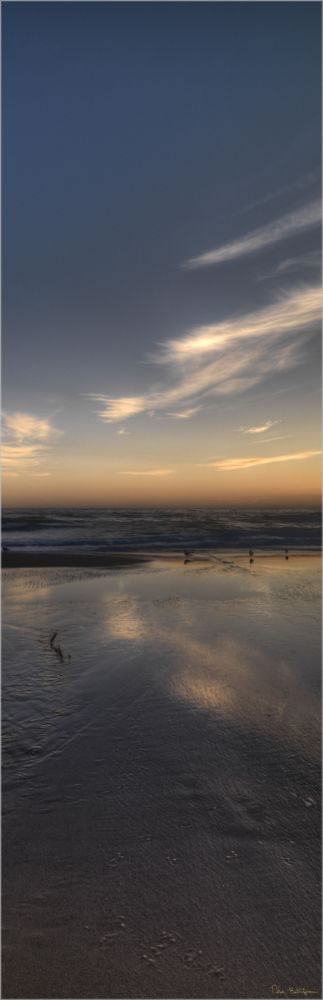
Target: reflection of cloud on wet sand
(219,673)
(213,659)
(123,620)
(241,681)
(26,586)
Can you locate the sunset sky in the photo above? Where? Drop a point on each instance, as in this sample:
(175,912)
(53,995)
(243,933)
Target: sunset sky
(161,252)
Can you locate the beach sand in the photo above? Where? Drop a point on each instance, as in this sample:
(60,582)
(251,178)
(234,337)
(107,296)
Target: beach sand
(101,560)
(161,778)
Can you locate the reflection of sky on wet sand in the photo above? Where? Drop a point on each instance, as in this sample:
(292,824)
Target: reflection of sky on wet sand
(169,765)
(123,620)
(231,676)
(240,680)
(242,644)
(21,586)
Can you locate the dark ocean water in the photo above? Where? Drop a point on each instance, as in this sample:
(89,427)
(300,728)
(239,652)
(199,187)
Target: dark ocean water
(161,528)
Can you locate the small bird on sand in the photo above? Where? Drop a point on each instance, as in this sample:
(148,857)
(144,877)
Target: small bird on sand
(250,552)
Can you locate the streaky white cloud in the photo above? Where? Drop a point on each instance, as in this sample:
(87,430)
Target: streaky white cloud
(224,359)
(147,472)
(232,386)
(259,430)
(234,464)
(309,261)
(41,475)
(297,310)
(277,437)
(258,239)
(23,426)
(311,177)
(27,440)
(118,409)
(121,431)
(195,382)
(184,414)
(13,455)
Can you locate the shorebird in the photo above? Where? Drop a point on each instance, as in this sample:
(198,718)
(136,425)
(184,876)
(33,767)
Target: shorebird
(250,552)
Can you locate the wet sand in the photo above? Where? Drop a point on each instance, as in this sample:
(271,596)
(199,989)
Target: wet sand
(161,827)
(99,560)
(21,559)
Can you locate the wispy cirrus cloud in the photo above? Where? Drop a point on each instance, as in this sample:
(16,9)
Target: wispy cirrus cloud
(307,261)
(293,311)
(223,358)
(118,409)
(260,429)
(184,414)
(312,177)
(23,426)
(221,376)
(27,440)
(147,472)
(233,464)
(277,437)
(311,259)
(127,406)
(259,239)
(21,456)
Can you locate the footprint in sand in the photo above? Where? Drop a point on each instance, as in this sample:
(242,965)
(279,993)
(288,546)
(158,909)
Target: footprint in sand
(117,928)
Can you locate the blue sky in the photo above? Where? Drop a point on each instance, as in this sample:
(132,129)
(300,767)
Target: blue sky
(161,178)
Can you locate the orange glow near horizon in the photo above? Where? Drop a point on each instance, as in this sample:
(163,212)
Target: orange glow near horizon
(88,484)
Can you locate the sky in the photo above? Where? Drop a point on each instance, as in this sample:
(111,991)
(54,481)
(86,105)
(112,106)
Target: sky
(161,253)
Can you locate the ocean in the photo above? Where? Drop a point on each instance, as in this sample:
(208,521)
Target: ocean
(160,528)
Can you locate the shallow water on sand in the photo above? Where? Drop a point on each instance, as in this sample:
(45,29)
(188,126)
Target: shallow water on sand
(161,778)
